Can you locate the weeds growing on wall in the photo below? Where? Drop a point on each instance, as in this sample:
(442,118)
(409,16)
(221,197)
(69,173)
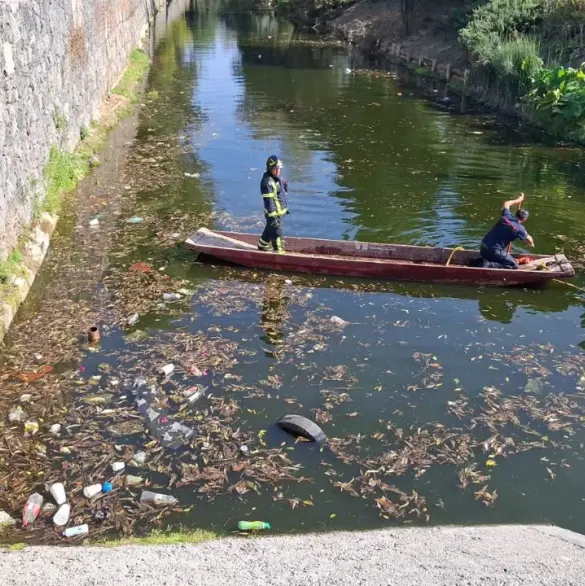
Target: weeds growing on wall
(10,266)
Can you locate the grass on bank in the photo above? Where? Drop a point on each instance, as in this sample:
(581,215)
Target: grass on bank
(134,74)
(64,170)
(162,538)
(13,547)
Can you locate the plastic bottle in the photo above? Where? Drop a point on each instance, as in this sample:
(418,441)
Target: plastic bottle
(31,509)
(57,491)
(253,525)
(130,480)
(91,491)
(76,531)
(138,459)
(167,369)
(193,397)
(171,297)
(157,499)
(62,515)
(133,319)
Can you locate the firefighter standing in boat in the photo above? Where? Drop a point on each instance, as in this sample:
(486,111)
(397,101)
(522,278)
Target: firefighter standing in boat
(274,194)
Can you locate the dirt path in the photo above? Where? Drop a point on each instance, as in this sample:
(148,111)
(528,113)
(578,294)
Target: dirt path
(376,25)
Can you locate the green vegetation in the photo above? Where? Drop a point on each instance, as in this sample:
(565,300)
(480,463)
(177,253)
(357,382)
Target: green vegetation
(13,547)
(558,96)
(163,538)
(500,19)
(62,172)
(10,266)
(135,73)
(520,49)
(60,120)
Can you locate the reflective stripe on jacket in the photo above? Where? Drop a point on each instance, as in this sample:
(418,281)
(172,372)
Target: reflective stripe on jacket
(274,196)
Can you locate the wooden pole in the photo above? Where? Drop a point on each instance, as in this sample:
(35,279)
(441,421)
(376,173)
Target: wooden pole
(434,64)
(448,72)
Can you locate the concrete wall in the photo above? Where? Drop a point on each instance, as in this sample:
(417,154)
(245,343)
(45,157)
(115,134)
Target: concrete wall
(58,60)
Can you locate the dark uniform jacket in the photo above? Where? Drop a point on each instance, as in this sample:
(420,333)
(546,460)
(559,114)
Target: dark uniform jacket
(504,232)
(274,195)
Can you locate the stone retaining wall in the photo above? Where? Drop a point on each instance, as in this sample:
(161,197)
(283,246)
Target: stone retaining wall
(58,60)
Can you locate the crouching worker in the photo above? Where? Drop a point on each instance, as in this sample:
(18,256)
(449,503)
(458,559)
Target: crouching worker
(274,194)
(496,244)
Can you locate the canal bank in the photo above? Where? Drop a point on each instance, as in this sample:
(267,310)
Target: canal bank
(80,94)
(442,404)
(446,556)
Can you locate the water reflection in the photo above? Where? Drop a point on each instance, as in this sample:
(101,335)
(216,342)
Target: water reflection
(274,312)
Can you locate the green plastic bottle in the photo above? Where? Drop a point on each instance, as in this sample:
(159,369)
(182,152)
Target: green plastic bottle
(253,525)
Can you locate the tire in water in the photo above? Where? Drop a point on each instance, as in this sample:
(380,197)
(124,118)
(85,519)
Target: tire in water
(299,425)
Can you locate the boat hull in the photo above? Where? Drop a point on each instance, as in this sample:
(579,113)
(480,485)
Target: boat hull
(374,261)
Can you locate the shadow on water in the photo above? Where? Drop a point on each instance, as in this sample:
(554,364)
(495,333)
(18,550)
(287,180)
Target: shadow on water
(442,404)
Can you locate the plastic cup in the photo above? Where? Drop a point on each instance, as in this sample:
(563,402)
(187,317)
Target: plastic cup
(91,491)
(57,491)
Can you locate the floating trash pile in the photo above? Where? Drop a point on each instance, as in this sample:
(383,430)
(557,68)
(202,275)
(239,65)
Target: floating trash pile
(109,453)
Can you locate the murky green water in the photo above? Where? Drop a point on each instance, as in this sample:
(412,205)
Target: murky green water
(402,387)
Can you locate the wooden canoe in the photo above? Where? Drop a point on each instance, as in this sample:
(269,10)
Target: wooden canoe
(374,261)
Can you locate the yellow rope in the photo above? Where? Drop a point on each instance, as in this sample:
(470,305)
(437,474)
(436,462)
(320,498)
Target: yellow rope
(569,285)
(452,253)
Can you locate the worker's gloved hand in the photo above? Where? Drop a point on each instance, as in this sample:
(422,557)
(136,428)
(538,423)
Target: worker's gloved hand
(285,185)
(287,212)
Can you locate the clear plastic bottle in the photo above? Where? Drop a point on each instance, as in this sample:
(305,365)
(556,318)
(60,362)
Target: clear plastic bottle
(253,525)
(130,480)
(171,297)
(31,509)
(157,499)
(195,396)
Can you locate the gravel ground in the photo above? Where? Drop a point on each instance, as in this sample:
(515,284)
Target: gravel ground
(453,556)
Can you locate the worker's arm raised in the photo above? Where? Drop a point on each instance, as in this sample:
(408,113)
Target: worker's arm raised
(513,202)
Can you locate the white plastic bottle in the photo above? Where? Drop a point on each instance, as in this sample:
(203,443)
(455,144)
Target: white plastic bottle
(76,531)
(167,369)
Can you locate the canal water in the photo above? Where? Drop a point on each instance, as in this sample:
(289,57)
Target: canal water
(442,404)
